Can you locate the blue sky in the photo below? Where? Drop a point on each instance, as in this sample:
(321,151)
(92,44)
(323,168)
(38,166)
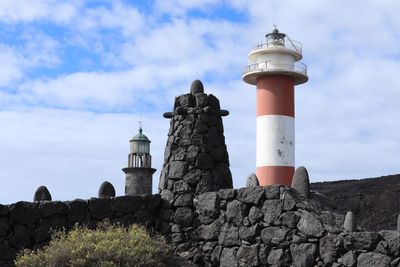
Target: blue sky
(76,77)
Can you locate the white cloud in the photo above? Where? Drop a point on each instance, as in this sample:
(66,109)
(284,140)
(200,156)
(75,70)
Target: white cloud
(14,11)
(10,68)
(36,50)
(125,18)
(39,50)
(81,90)
(181,7)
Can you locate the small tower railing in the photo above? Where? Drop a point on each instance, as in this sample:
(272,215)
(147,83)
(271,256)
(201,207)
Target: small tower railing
(287,43)
(139,160)
(266,66)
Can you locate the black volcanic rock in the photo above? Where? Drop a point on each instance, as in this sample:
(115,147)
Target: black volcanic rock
(251,195)
(301,182)
(183,216)
(106,190)
(208,204)
(310,225)
(375,201)
(78,210)
(7,252)
(371,259)
(210,231)
(195,150)
(235,212)
(196,87)
(252,180)
(24,212)
(48,208)
(303,254)
(361,240)
(42,193)
(229,236)
(3,210)
(248,255)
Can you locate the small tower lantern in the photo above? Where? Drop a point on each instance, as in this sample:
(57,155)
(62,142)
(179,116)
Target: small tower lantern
(139,173)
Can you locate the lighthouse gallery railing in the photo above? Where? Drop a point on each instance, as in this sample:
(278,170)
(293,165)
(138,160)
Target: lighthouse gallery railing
(266,66)
(287,43)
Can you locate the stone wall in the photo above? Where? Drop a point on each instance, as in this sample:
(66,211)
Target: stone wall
(28,224)
(255,226)
(273,226)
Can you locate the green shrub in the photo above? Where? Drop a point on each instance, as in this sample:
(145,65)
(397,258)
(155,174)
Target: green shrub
(109,245)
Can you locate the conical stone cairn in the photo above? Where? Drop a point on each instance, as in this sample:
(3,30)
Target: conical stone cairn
(196,157)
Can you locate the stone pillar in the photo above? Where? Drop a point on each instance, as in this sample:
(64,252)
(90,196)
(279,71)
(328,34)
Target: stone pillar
(196,158)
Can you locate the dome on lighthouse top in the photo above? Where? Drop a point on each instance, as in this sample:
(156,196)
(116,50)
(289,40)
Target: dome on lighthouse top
(140,136)
(276,37)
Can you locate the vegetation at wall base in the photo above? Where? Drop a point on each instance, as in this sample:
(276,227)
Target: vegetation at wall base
(108,245)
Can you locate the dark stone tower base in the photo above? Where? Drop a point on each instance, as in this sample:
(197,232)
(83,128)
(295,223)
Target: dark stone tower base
(138,181)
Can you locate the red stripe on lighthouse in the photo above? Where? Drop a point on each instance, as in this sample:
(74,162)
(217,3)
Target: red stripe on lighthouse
(268,175)
(275,95)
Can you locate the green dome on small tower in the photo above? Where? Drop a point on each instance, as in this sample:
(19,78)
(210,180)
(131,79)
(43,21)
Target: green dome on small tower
(140,136)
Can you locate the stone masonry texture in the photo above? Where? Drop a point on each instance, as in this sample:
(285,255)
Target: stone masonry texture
(28,224)
(196,158)
(255,226)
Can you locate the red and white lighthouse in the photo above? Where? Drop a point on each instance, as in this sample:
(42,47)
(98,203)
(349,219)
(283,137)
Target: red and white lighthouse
(275,68)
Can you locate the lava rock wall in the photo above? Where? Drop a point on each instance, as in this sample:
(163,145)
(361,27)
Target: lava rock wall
(29,224)
(274,226)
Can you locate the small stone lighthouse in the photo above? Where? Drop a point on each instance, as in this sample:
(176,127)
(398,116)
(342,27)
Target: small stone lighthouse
(275,69)
(139,173)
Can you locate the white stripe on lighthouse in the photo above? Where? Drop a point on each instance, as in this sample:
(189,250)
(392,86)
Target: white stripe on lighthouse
(275,140)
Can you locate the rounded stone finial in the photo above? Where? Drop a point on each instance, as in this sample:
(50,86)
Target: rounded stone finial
(301,182)
(106,190)
(398,223)
(223,112)
(42,194)
(252,180)
(196,87)
(350,223)
(168,115)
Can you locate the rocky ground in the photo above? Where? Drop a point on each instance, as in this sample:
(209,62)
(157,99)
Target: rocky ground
(374,201)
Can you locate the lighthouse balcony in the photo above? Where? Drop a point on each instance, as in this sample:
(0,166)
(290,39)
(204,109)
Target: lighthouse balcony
(297,70)
(284,45)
